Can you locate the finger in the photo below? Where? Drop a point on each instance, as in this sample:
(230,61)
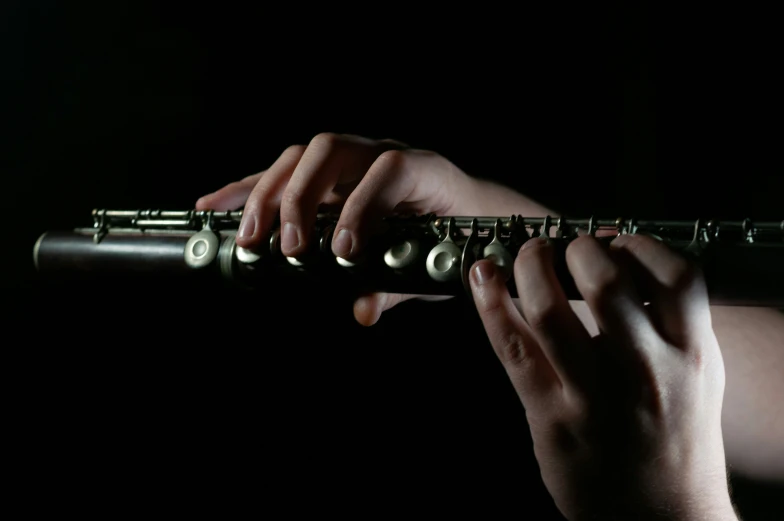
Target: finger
(609,292)
(395,176)
(329,159)
(512,340)
(679,300)
(230,197)
(368,308)
(580,309)
(394,143)
(558,331)
(263,203)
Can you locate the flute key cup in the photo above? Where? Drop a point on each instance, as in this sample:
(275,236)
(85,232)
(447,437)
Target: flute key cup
(251,257)
(402,254)
(443,261)
(201,249)
(498,254)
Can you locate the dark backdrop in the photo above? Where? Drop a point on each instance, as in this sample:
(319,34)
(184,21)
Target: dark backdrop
(125,395)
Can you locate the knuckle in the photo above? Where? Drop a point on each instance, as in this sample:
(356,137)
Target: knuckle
(252,178)
(292,198)
(695,359)
(524,257)
(231,186)
(578,248)
(519,262)
(325,140)
(564,436)
(543,315)
(519,267)
(683,277)
(704,357)
(512,349)
(533,247)
(578,408)
(636,241)
(640,246)
(393,143)
(351,215)
(294,151)
(258,196)
(391,159)
(488,302)
(604,285)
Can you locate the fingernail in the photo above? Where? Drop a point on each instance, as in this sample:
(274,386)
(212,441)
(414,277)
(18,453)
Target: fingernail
(290,238)
(248,226)
(483,272)
(534,241)
(342,244)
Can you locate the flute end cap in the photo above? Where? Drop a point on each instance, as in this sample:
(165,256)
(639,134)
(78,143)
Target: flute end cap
(36,249)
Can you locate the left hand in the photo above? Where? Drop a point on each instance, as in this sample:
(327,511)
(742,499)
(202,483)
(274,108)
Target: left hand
(367,179)
(627,424)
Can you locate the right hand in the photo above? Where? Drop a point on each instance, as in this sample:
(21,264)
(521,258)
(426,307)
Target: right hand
(625,424)
(369,178)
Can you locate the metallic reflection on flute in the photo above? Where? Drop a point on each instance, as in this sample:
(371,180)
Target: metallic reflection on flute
(743,261)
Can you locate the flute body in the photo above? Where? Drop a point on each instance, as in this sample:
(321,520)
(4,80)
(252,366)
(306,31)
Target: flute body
(742,261)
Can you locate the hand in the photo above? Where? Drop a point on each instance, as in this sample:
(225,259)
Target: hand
(369,179)
(625,424)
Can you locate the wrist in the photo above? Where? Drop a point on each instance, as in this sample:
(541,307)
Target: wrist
(646,505)
(720,511)
(717,512)
(710,508)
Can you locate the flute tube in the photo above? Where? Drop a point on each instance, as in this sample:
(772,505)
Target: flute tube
(748,274)
(68,251)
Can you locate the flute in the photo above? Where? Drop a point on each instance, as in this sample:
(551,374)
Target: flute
(742,261)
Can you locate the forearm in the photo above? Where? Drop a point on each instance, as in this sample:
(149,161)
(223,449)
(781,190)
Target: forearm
(752,344)
(751,339)
(494,200)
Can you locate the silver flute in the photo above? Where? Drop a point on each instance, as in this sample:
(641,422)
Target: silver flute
(742,261)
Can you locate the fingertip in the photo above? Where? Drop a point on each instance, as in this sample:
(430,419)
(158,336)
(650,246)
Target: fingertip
(249,230)
(535,247)
(343,243)
(202,203)
(369,308)
(486,286)
(367,311)
(216,201)
(293,238)
(621,241)
(483,273)
(576,250)
(245,242)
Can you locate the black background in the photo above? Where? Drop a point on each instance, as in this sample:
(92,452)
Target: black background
(120,397)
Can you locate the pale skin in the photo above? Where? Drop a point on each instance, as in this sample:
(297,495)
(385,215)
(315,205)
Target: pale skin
(681,350)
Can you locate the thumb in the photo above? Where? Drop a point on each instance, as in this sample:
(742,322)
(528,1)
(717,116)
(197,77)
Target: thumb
(368,308)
